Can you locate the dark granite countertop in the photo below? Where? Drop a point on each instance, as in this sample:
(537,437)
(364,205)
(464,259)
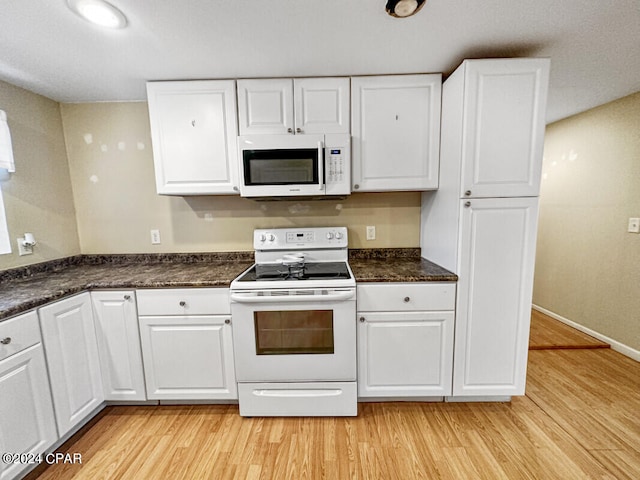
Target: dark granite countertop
(20,294)
(29,287)
(396,265)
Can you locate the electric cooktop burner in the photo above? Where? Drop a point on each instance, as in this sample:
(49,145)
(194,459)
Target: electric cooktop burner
(308,271)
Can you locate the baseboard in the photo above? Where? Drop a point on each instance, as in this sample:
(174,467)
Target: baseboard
(615,345)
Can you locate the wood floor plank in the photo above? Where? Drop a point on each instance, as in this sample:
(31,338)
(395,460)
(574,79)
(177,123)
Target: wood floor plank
(548,333)
(579,420)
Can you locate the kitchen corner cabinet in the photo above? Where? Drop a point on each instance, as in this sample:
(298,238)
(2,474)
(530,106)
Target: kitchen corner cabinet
(405,339)
(27,422)
(293,106)
(497,254)
(193,132)
(72,356)
(116,323)
(501,125)
(395,132)
(187,344)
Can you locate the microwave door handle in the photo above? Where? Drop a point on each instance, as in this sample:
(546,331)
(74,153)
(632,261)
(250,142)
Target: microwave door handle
(321,165)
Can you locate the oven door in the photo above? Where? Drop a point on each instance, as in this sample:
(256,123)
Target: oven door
(294,335)
(280,165)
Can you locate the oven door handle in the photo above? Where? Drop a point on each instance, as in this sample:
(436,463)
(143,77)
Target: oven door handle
(253,298)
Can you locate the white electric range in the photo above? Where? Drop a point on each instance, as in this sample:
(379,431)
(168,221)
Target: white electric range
(294,325)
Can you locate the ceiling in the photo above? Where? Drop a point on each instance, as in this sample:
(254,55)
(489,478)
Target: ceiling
(594,46)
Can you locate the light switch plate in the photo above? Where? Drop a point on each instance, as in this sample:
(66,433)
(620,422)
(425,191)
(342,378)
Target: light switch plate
(155,237)
(371,232)
(634,225)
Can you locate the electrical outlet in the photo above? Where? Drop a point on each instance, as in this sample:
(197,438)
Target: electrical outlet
(634,225)
(23,249)
(371,232)
(155,237)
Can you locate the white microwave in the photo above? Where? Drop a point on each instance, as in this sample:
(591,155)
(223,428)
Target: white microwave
(294,165)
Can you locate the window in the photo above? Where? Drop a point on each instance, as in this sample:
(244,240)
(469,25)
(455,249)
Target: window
(5,243)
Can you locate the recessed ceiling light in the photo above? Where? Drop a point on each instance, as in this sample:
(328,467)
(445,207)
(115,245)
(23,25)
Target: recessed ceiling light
(99,13)
(404,8)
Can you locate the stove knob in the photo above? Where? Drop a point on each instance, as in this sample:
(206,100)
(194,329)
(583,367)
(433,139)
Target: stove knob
(329,235)
(263,237)
(271,237)
(338,235)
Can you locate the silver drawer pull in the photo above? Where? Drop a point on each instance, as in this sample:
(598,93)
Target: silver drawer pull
(407,299)
(5,341)
(183,303)
(127,297)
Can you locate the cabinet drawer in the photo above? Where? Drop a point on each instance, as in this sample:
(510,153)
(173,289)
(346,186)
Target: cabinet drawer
(394,297)
(183,301)
(19,333)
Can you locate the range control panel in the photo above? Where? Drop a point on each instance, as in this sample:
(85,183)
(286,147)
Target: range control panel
(308,238)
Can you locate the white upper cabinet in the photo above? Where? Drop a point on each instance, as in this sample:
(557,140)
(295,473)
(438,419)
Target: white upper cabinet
(322,105)
(396,132)
(293,106)
(265,106)
(503,121)
(194,130)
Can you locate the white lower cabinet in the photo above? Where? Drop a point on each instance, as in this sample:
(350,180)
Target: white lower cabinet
(71,350)
(116,323)
(27,422)
(405,339)
(188,353)
(497,255)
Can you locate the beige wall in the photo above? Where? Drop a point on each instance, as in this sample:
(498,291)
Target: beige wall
(587,265)
(38,195)
(111,163)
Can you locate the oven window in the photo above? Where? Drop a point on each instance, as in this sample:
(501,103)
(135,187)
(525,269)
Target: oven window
(294,332)
(280,167)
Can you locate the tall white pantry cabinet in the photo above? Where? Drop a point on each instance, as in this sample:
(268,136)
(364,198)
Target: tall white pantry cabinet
(482,222)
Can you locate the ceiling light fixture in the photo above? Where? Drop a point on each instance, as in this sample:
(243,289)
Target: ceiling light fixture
(99,13)
(404,8)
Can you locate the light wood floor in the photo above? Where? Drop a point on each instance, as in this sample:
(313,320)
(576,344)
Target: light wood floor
(580,419)
(548,333)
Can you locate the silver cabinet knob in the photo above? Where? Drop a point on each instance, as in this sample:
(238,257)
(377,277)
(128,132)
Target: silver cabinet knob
(407,299)
(127,297)
(298,130)
(6,341)
(289,130)
(227,321)
(183,303)
(362,319)
(356,186)
(235,189)
(468,193)
(467,204)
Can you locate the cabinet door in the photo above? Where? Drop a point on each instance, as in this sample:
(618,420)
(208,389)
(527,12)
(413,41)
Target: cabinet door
(322,105)
(116,325)
(27,422)
(396,132)
(265,105)
(188,358)
(72,357)
(494,295)
(405,354)
(504,120)
(193,131)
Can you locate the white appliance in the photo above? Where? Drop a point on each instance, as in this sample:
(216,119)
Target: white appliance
(294,325)
(294,165)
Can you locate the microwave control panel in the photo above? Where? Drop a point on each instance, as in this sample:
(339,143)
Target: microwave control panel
(335,165)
